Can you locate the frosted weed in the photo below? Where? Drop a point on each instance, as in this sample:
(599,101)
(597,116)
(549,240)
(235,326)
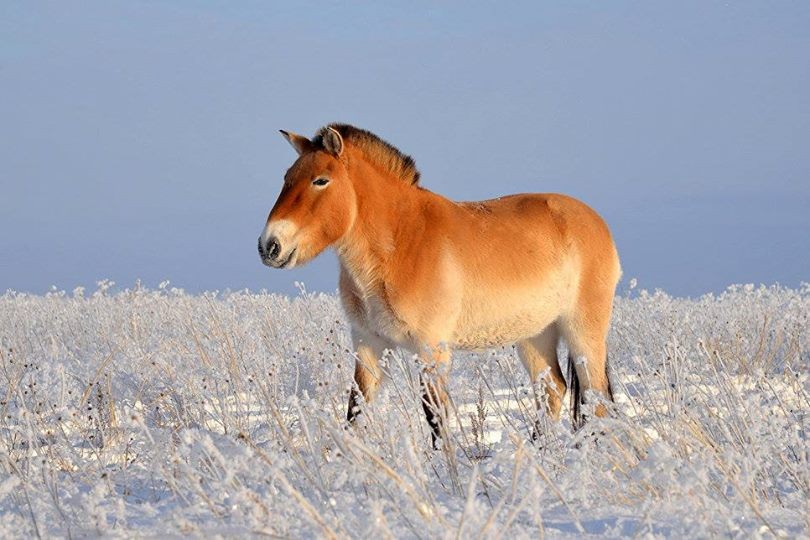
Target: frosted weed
(154,411)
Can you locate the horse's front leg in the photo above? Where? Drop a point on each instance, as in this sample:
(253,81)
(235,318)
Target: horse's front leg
(436,361)
(367,372)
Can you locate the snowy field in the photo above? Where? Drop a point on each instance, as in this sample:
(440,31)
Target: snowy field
(155,412)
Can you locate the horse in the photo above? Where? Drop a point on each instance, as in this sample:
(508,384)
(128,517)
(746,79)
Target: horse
(428,274)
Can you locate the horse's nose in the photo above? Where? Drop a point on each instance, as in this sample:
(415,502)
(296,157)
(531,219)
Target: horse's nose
(272,248)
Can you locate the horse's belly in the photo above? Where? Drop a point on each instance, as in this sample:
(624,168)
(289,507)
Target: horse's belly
(503,322)
(495,335)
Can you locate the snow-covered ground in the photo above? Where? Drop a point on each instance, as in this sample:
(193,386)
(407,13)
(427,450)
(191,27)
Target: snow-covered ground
(155,412)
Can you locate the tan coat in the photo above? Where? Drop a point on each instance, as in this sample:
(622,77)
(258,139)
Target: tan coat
(429,274)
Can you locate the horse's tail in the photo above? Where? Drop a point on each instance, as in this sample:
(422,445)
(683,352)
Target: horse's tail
(575,390)
(607,377)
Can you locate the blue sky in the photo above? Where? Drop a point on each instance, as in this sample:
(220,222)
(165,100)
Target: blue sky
(139,139)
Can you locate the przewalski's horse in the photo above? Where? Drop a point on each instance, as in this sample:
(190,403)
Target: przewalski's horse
(429,274)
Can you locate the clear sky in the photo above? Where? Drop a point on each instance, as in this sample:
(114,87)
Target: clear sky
(139,139)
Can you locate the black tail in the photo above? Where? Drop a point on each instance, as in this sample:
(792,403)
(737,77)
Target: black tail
(607,376)
(575,391)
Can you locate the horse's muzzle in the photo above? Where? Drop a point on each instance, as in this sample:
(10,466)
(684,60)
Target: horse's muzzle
(271,253)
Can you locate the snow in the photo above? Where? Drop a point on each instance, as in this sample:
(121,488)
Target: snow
(156,412)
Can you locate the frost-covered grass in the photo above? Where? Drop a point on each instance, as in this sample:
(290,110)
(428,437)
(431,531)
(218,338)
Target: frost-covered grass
(157,412)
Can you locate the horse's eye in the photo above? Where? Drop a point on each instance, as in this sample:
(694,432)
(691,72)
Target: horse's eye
(320,182)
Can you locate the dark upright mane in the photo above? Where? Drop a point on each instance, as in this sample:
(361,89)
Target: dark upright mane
(376,150)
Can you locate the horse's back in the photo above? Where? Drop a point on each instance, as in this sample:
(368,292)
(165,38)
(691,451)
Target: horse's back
(548,227)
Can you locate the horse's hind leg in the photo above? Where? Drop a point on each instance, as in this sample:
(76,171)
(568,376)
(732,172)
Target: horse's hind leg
(539,357)
(367,372)
(585,331)
(434,391)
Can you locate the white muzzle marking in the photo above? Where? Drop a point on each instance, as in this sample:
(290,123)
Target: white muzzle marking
(283,254)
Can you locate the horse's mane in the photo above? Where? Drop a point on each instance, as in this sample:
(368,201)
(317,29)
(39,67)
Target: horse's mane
(376,150)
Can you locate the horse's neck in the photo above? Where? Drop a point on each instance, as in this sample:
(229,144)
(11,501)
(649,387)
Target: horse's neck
(369,247)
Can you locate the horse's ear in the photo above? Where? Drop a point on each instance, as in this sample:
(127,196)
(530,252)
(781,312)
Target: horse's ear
(299,142)
(332,141)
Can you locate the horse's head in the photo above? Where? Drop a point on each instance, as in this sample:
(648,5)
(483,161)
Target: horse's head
(316,206)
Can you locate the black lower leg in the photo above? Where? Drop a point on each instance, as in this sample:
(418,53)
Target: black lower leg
(434,419)
(354,405)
